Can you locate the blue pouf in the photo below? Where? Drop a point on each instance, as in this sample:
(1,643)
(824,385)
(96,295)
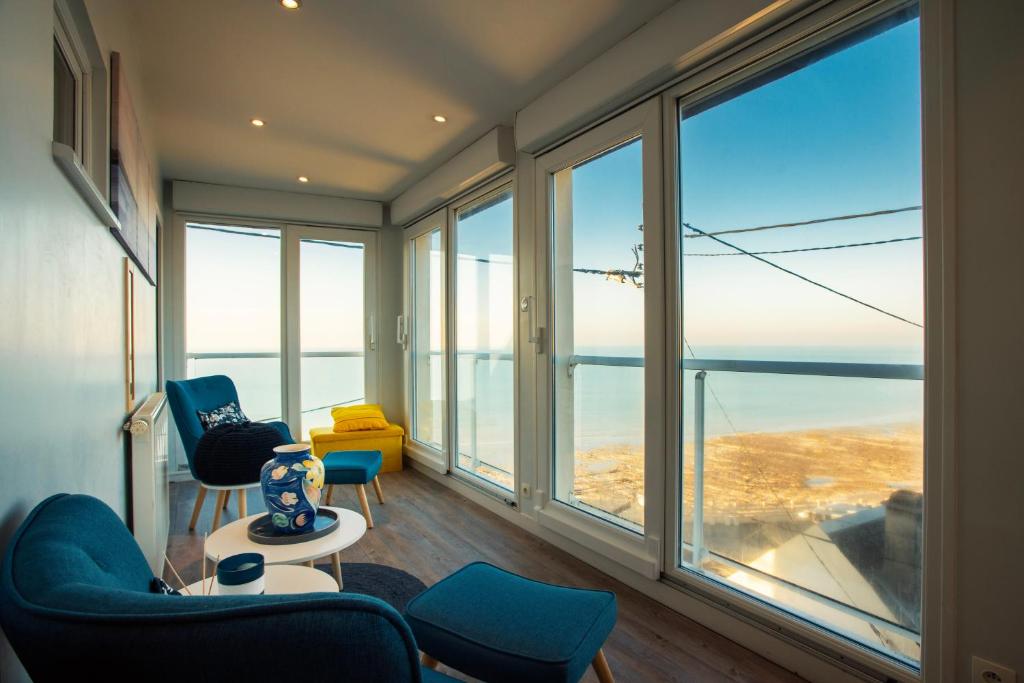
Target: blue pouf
(497,626)
(351,467)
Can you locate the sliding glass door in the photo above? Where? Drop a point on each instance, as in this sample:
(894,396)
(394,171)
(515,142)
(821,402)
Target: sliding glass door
(422,332)
(336,327)
(599,200)
(291,324)
(801,345)
(484,331)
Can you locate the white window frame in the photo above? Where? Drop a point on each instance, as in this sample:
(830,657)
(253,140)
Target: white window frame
(177,317)
(66,33)
(809,32)
(494,187)
(86,162)
(640,552)
(291,354)
(417,450)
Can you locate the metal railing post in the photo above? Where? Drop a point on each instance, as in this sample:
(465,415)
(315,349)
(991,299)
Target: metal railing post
(698,469)
(473,454)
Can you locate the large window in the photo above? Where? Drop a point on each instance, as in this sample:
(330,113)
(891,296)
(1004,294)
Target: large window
(426,338)
(233,312)
(802,315)
(484,339)
(598,385)
(245,313)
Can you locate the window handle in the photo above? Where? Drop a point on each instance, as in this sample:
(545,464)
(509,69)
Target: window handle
(401,335)
(373,333)
(535,333)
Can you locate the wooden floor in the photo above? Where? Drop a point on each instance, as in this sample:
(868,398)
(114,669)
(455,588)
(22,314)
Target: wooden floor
(430,531)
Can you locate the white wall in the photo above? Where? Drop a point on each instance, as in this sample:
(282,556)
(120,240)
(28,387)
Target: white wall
(990,324)
(61,364)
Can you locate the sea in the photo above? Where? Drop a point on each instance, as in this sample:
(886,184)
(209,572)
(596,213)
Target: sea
(609,402)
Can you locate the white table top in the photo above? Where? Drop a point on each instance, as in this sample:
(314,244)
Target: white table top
(233,539)
(280,579)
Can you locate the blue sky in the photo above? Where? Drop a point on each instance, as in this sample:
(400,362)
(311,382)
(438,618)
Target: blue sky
(839,136)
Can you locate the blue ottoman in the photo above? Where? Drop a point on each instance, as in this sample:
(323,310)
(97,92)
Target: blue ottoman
(498,626)
(354,467)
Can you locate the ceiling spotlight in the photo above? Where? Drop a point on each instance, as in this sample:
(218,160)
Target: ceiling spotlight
(290,4)
(303,179)
(439,118)
(259,123)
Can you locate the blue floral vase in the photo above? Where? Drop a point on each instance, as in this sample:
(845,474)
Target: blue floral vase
(292,482)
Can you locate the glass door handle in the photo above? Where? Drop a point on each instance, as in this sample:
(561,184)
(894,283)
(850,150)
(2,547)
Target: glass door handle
(535,333)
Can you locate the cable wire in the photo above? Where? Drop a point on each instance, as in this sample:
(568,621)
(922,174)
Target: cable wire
(812,221)
(833,246)
(802,277)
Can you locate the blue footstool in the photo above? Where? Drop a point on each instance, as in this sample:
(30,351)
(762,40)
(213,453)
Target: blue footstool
(498,626)
(354,467)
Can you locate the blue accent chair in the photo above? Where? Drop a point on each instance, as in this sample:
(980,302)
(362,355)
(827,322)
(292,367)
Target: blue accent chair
(74,597)
(498,626)
(358,468)
(206,393)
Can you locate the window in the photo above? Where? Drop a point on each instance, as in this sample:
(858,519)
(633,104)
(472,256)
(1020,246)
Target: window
(426,339)
(598,385)
(802,345)
(66,107)
(484,339)
(233,312)
(72,84)
(332,326)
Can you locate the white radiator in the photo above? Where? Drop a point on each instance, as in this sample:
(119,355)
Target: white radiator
(150,500)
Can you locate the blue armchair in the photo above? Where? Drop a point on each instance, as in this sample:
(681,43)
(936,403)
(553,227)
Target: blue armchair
(206,393)
(74,597)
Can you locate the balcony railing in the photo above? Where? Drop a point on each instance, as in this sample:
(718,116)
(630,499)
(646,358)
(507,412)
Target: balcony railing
(702,367)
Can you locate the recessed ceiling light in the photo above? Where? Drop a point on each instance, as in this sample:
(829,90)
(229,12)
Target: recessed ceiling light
(290,4)
(259,123)
(439,118)
(303,179)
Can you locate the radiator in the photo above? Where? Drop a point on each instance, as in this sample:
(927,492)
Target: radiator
(150,500)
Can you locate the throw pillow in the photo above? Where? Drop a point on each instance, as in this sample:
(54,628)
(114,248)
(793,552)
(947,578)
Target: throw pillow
(358,418)
(229,413)
(158,585)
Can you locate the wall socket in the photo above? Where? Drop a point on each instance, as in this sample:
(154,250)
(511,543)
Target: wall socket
(984,671)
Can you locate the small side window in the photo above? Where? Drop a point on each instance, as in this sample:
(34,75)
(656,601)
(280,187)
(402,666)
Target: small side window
(66,104)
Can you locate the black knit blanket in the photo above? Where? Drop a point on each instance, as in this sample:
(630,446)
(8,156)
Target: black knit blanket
(234,453)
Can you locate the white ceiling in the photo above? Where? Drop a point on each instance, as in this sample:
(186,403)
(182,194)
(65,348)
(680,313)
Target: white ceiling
(348,87)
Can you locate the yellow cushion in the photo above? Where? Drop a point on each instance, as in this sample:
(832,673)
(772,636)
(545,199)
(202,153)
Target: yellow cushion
(358,418)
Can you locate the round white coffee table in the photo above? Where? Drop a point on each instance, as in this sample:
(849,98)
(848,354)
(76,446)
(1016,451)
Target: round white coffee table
(280,579)
(233,539)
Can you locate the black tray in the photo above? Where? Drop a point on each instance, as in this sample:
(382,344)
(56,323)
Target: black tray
(262,530)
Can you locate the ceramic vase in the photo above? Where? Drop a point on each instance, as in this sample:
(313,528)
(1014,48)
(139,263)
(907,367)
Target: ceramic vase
(292,483)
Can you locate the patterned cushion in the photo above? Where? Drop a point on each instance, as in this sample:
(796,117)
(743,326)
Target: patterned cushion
(228,413)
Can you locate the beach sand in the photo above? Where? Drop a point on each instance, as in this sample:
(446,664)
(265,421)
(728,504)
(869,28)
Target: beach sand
(811,474)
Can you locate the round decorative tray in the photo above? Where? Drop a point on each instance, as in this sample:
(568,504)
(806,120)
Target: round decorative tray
(262,530)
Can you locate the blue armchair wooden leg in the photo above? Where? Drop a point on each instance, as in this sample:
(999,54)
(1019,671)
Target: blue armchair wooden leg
(376,487)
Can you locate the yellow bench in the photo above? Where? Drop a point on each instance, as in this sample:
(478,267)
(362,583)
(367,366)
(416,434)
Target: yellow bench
(387,441)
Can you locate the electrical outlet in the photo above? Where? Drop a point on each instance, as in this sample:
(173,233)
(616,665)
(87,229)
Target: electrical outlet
(984,671)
